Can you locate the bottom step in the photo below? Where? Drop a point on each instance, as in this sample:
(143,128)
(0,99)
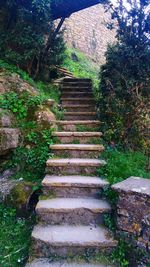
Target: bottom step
(70,240)
(47,263)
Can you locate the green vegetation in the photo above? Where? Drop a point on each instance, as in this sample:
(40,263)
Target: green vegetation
(125,79)
(80,65)
(14,238)
(33,152)
(23,27)
(123,164)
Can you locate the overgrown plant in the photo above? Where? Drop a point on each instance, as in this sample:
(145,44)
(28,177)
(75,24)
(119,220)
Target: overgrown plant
(30,157)
(125,78)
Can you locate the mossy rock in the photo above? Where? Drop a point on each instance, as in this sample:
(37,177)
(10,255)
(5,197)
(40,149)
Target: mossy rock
(20,196)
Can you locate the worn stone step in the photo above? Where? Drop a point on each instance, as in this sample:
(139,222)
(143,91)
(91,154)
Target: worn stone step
(79,108)
(70,240)
(81,100)
(81,137)
(73,166)
(72,211)
(47,263)
(78,125)
(74,186)
(72,88)
(80,115)
(76,94)
(68,80)
(77,150)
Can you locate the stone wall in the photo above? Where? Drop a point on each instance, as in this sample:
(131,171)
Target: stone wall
(86,30)
(133,210)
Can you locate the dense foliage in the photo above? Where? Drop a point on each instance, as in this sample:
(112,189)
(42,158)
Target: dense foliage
(14,238)
(27,36)
(29,159)
(123,164)
(125,78)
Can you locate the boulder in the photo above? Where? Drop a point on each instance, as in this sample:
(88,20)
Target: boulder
(13,82)
(9,139)
(45,117)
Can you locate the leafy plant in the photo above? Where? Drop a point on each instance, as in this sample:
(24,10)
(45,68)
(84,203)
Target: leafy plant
(125,82)
(123,164)
(14,238)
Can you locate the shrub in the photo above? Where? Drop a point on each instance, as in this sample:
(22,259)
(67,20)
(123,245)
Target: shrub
(23,27)
(125,78)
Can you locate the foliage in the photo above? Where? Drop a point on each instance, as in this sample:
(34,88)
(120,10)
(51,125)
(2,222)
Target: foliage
(14,238)
(24,26)
(125,78)
(123,164)
(80,65)
(121,253)
(30,157)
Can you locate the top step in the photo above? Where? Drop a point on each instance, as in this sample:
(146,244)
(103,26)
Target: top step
(77,80)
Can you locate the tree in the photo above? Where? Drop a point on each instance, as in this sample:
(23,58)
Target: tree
(26,26)
(125,78)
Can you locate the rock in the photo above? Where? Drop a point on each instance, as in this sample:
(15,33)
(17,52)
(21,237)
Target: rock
(19,196)
(6,184)
(13,82)
(9,139)
(50,103)
(45,117)
(7,118)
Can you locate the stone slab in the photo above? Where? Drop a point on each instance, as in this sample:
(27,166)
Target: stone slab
(69,204)
(84,147)
(134,185)
(74,180)
(66,235)
(75,162)
(77,134)
(47,263)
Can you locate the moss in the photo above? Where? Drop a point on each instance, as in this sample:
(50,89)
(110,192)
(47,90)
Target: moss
(50,195)
(20,195)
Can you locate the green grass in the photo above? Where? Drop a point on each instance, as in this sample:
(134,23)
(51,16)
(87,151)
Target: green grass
(123,164)
(82,67)
(14,238)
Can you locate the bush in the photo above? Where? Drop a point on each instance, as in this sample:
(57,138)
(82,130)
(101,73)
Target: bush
(125,79)
(23,27)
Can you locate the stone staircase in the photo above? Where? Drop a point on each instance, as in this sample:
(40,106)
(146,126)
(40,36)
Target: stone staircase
(70,215)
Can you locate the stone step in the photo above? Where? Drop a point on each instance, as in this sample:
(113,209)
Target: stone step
(77,150)
(68,80)
(73,166)
(74,186)
(79,108)
(75,101)
(78,124)
(80,115)
(75,88)
(42,262)
(81,137)
(72,211)
(67,240)
(76,94)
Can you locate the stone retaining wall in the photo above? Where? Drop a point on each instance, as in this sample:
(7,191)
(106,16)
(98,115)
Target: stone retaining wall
(133,209)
